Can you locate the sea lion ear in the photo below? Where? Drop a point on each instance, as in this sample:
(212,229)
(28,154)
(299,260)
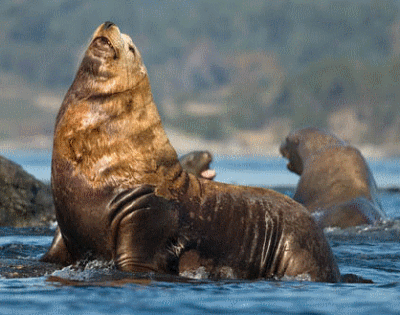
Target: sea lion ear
(132,49)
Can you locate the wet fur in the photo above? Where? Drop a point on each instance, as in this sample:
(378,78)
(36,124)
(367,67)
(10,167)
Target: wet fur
(335,180)
(120,192)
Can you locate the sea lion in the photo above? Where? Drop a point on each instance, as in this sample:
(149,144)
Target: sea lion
(335,183)
(121,194)
(198,163)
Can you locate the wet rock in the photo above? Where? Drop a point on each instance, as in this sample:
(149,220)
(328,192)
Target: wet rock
(24,200)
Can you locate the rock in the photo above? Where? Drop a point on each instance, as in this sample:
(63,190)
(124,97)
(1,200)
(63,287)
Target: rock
(24,200)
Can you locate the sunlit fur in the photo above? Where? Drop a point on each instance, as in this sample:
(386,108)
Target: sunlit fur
(120,192)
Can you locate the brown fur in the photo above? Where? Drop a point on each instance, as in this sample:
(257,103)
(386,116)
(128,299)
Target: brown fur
(335,179)
(120,192)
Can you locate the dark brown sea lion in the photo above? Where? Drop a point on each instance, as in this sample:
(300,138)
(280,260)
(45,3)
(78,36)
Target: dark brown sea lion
(120,192)
(198,163)
(336,183)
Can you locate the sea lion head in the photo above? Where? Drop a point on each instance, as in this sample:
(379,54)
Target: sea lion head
(289,150)
(112,63)
(198,163)
(301,144)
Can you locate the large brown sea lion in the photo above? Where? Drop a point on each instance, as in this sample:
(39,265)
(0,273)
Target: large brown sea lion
(120,192)
(198,163)
(336,183)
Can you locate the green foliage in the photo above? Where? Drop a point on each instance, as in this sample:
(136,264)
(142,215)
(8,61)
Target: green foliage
(335,54)
(246,110)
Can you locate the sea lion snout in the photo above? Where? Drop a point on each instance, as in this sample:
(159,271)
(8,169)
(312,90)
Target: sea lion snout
(109,52)
(288,150)
(108,24)
(283,149)
(110,31)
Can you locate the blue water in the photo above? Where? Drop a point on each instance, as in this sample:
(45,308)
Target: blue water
(242,170)
(372,252)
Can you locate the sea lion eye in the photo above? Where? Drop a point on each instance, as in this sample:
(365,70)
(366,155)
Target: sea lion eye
(132,49)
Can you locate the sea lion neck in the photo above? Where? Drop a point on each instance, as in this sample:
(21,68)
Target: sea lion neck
(93,130)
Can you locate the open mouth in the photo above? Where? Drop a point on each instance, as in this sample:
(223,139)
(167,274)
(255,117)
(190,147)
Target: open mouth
(208,174)
(285,153)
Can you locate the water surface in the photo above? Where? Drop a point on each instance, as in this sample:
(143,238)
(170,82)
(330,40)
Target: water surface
(373,252)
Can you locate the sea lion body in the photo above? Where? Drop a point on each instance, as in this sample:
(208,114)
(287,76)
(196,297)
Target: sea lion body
(198,163)
(335,183)
(120,192)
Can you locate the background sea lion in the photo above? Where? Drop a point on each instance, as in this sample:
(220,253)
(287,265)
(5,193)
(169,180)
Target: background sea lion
(120,192)
(336,183)
(198,163)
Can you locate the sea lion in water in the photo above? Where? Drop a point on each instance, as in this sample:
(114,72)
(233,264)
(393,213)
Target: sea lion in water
(198,163)
(336,183)
(120,192)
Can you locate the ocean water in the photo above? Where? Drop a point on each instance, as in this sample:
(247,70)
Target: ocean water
(373,252)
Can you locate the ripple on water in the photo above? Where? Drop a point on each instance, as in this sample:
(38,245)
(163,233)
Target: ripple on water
(372,252)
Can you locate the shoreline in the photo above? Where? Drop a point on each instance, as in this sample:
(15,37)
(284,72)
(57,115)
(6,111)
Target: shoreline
(184,143)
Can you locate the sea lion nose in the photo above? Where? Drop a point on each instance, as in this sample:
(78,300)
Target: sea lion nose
(108,24)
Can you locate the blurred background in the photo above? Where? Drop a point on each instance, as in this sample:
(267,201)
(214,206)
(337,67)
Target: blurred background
(230,76)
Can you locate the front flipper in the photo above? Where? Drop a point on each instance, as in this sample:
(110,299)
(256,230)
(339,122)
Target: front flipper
(58,252)
(143,226)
